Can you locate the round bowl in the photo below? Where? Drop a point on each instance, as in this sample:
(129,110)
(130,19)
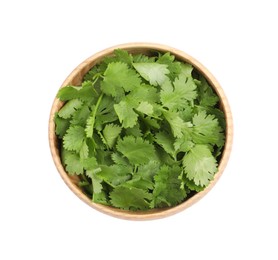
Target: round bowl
(75,78)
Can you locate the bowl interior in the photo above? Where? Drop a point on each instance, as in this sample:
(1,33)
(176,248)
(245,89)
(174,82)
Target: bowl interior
(76,77)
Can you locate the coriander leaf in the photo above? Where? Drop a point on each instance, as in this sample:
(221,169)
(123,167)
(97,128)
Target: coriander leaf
(91,119)
(141,58)
(96,181)
(114,174)
(126,114)
(186,112)
(177,97)
(219,114)
(192,186)
(69,108)
(105,113)
(104,156)
(140,183)
(90,164)
(154,73)
(186,69)
(148,170)
(135,131)
(101,198)
(184,143)
(68,92)
(80,116)
(146,93)
(176,123)
(174,67)
(119,159)
(136,150)
(206,129)
(85,92)
(130,198)
(207,97)
(166,140)
(120,55)
(111,133)
(73,139)
(118,78)
(145,108)
(84,150)
(72,162)
(150,122)
(61,125)
(186,86)
(168,190)
(92,73)
(200,165)
(123,56)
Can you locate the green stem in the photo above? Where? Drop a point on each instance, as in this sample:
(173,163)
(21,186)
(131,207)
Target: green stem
(90,132)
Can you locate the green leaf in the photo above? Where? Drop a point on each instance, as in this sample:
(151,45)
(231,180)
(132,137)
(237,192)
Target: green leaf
(114,174)
(126,114)
(69,108)
(145,108)
(123,56)
(186,69)
(184,143)
(68,92)
(72,162)
(84,150)
(154,73)
(141,58)
(119,159)
(186,86)
(111,133)
(207,129)
(85,92)
(73,139)
(166,141)
(148,170)
(90,123)
(177,97)
(200,165)
(140,183)
(207,97)
(90,164)
(146,93)
(101,198)
(135,131)
(192,186)
(136,150)
(168,190)
(61,125)
(130,198)
(174,67)
(105,112)
(80,116)
(96,181)
(176,123)
(118,78)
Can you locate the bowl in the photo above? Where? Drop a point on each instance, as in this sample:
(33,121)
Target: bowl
(75,78)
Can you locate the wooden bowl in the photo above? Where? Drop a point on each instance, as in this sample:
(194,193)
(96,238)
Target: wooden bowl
(76,77)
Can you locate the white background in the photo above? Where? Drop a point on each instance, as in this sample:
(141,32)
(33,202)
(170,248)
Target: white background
(43,41)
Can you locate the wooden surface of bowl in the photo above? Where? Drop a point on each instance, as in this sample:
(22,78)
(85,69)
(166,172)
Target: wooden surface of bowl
(76,77)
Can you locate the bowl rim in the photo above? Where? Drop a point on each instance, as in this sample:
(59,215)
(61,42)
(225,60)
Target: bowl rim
(76,76)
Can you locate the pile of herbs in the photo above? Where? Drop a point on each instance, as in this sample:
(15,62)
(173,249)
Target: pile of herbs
(141,132)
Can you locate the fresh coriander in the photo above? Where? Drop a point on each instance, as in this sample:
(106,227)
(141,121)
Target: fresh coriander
(141,132)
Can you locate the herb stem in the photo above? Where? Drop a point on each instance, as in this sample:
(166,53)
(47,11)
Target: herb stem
(94,114)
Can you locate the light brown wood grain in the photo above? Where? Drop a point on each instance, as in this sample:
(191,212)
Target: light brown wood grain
(75,78)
